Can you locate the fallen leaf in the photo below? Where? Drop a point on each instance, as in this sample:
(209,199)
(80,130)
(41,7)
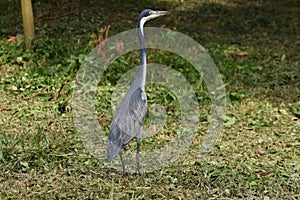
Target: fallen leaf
(294,118)
(242,124)
(11,38)
(237,53)
(154,128)
(260,151)
(126,181)
(264,173)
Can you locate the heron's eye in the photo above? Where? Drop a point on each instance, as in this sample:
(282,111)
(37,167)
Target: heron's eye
(151,12)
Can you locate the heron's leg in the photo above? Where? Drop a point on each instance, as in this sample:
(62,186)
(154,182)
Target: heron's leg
(122,162)
(138,155)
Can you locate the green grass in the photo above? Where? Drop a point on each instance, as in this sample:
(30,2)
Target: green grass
(255,45)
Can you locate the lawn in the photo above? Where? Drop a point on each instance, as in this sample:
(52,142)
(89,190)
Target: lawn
(254,44)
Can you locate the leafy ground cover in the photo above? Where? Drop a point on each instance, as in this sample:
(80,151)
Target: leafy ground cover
(255,45)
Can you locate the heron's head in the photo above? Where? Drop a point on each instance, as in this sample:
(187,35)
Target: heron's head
(149,14)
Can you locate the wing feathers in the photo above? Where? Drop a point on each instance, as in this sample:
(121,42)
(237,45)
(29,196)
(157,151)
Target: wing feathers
(127,122)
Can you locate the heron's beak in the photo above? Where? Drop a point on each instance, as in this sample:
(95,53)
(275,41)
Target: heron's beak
(155,14)
(161,13)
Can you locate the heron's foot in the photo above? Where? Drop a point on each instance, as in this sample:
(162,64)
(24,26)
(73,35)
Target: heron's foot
(138,169)
(126,172)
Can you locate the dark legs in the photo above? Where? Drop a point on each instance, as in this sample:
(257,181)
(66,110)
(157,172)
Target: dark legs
(138,155)
(122,162)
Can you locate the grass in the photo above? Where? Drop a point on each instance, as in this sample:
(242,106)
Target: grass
(255,45)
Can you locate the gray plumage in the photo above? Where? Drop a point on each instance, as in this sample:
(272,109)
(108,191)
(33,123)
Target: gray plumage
(129,117)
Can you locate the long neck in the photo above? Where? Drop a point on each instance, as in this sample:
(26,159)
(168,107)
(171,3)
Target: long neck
(141,77)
